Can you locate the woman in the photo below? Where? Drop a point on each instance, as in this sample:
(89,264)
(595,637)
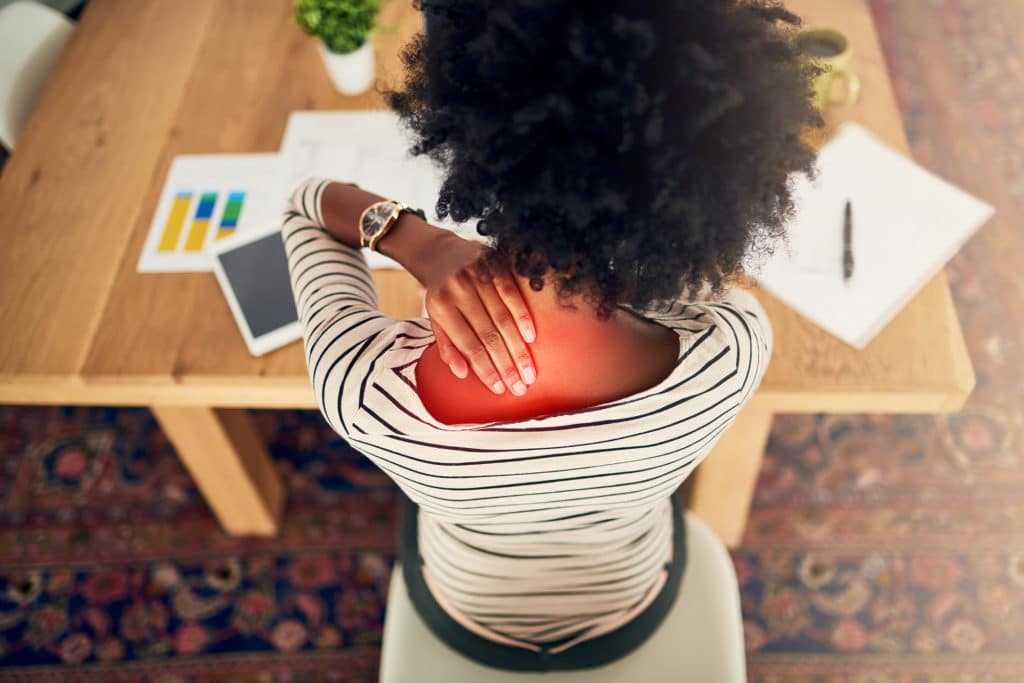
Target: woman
(623,159)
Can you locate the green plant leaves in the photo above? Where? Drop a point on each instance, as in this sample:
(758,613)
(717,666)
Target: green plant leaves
(343,25)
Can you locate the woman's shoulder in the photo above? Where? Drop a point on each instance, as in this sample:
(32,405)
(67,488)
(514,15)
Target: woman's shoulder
(578,366)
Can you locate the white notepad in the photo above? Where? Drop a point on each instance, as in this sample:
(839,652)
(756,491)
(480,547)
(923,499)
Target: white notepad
(907,223)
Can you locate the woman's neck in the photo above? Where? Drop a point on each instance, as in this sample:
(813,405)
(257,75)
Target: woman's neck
(622,333)
(546,301)
(576,309)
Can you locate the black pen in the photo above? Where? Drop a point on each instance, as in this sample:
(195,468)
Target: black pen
(847,243)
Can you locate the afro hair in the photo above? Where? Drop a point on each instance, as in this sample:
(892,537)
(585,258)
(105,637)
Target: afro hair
(627,151)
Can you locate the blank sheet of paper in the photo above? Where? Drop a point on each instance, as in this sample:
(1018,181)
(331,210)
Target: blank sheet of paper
(907,223)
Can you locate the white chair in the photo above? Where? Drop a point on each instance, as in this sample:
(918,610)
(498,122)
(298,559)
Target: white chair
(701,639)
(32,36)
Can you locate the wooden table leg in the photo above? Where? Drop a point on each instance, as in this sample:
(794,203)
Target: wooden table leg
(725,481)
(229,462)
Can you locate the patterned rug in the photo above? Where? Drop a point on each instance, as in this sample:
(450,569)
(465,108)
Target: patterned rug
(879,550)
(891,549)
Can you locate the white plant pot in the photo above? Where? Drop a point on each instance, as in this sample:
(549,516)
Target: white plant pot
(351,73)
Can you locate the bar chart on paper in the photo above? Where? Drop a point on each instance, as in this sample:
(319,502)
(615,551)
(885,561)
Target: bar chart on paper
(205,199)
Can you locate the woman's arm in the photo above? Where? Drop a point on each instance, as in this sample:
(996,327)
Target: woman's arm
(487,325)
(343,332)
(410,241)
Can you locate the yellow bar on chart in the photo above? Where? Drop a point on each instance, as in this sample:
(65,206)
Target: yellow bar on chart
(196,235)
(175,221)
(201,222)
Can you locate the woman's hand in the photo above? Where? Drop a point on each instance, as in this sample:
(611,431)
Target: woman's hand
(487,325)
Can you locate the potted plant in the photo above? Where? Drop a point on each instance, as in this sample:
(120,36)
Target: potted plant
(343,27)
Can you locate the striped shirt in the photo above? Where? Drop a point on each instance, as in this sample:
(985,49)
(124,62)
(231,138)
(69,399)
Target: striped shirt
(535,530)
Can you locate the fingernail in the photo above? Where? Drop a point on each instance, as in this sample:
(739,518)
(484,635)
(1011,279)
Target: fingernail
(529,376)
(498,388)
(528,333)
(455,370)
(518,389)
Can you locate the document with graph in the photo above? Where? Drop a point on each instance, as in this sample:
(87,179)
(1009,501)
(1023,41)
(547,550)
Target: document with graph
(206,198)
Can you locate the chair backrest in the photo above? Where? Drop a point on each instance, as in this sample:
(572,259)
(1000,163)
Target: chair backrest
(32,36)
(699,641)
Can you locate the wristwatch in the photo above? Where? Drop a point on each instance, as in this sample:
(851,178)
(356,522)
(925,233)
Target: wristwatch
(378,218)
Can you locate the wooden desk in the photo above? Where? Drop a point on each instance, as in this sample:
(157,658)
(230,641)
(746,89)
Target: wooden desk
(142,82)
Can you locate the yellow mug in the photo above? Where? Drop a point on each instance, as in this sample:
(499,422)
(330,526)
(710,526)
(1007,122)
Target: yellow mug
(829,48)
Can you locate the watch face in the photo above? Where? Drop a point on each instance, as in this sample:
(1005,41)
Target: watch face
(376,218)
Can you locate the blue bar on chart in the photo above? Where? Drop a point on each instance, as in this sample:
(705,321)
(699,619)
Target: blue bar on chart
(201,222)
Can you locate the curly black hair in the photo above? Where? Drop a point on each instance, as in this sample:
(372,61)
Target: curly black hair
(629,151)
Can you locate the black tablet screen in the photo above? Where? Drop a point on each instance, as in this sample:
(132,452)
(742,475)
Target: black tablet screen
(258,273)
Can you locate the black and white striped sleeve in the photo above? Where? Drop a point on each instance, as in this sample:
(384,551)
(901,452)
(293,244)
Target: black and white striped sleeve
(740,326)
(343,330)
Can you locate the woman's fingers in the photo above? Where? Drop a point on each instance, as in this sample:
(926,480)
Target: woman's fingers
(506,287)
(473,333)
(504,317)
(449,354)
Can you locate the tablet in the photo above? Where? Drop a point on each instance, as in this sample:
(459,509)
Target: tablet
(252,269)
